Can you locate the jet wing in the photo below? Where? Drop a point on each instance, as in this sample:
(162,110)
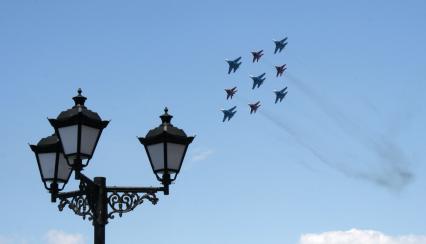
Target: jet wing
(232,115)
(224,117)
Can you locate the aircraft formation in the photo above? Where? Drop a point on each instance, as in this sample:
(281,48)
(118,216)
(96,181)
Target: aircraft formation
(257,80)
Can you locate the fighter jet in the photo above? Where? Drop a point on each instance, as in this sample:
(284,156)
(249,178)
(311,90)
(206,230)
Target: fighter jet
(233,64)
(280,69)
(254,107)
(280,94)
(228,113)
(257,55)
(230,92)
(280,45)
(258,80)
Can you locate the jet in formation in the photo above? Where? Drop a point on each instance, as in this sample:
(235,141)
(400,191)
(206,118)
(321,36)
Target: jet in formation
(254,107)
(233,64)
(230,92)
(228,113)
(280,69)
(280,95)
(257,55)
(280,45)
(258,80)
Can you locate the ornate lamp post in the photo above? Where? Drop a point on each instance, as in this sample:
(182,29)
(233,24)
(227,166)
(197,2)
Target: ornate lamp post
(77,132)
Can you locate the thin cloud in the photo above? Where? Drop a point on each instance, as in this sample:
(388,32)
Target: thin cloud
(201,155)
(60,237)
(356,236)
(12,240)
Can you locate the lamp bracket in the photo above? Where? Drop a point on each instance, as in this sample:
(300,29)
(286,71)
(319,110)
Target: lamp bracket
(119,199)
(79,204)
(81,201)
(124,202)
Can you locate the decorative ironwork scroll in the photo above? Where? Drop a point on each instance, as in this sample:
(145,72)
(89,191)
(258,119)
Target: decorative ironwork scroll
(124,202)
(119,199)
(79,204)
(79,201)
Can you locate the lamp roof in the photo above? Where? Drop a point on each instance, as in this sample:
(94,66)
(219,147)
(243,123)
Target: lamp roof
(47,144)
(77,113)
(166,127)
(78,109)
(166,130)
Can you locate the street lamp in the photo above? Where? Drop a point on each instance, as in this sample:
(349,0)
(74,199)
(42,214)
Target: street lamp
(52,164)
(166,147)
(77,132)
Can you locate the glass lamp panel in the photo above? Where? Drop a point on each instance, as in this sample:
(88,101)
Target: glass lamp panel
(71,159)
(174,155)
(47,165)
(64,169)
(89,135)
(156,153)
(69,137)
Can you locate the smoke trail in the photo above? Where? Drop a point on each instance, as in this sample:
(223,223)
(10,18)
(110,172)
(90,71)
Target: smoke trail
(392,176)
(394,172)
(297,137)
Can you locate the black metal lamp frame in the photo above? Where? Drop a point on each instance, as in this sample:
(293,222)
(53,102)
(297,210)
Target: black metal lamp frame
(98,202)
(95,200)
(79,115)
(166,133)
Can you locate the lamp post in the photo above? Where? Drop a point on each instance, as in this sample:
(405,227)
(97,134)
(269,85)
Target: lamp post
(70,148)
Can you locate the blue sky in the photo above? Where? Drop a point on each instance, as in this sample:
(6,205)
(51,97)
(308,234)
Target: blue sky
(343,150)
